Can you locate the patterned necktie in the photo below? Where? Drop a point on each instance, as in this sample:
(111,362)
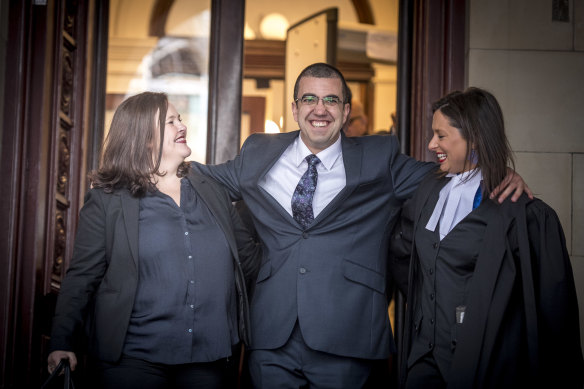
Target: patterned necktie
(302,197)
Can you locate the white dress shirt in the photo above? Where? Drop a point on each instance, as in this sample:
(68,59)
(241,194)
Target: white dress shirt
(455,201)
(283,177)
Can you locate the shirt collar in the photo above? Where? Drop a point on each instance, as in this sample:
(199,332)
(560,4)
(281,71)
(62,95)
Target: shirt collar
(327,157)
(466,179)
(449,201)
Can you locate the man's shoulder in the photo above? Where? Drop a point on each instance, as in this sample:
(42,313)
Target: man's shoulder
(263,138)
(372,139)
(262,144)
(371,143)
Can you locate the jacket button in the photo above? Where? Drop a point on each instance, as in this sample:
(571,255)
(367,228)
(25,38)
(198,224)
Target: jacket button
(430,345)
(305,235)
(435,245)
(302,270)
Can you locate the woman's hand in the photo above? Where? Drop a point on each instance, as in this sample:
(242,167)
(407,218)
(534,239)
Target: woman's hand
(511,183)
(56,356)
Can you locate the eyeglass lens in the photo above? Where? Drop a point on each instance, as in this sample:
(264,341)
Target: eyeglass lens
(329,101)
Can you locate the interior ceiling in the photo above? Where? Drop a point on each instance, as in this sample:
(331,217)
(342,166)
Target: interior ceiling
(143,18)
(136,27)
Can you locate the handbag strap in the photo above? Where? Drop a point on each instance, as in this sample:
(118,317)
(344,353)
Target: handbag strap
(63,365)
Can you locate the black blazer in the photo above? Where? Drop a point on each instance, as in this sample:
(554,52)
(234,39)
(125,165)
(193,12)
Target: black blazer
(521,325)
(102,279)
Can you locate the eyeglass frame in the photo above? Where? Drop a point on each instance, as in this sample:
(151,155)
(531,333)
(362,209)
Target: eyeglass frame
(323,101)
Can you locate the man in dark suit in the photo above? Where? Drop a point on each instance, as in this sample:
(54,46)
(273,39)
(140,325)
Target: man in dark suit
(319,309)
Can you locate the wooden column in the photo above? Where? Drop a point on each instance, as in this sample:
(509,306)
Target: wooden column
(225,78)
(438,63)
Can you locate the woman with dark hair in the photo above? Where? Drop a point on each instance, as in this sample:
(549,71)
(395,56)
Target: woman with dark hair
(491,301)
(160,262)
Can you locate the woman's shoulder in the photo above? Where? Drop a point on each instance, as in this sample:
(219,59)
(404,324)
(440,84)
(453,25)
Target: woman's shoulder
(538,209)
(533,209)
(195,177)
(524,202)
(106,192)
(104,196)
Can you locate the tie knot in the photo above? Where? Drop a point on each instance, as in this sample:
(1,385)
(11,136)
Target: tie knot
(312,160)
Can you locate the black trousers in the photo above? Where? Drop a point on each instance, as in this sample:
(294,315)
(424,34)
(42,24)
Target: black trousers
(295,365)
(136,373)
(425,374)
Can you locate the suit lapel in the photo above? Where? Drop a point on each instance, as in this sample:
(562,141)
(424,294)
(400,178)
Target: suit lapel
(429,193)
(488,278)
(273,152)
(131,212)
(208,195)
(352,159)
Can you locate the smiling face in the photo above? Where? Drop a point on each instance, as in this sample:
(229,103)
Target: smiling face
(320,126)
(174,146)
(450,147)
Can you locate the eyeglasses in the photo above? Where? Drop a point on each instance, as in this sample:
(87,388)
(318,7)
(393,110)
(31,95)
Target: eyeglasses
(328,101)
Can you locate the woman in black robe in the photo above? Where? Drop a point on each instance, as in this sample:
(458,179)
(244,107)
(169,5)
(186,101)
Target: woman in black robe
(491,301)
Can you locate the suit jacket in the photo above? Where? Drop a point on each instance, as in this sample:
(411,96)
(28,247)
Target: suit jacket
(102,280)
(330,277)
(521,323)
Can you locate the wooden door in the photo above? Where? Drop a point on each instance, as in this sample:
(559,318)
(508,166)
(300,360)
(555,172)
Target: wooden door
(52,116)
(46,115)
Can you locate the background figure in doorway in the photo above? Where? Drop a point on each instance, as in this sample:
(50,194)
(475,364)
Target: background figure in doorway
(358,121)
(393,127)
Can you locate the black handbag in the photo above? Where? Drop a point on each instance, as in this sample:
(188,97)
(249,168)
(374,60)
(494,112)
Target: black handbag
(68,380)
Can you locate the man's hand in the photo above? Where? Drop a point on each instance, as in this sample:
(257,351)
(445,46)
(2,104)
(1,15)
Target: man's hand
(511,183)
(56,356)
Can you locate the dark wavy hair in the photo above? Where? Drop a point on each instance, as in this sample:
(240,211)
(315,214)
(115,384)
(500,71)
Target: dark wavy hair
(127,160)
(479,118)
(323,70)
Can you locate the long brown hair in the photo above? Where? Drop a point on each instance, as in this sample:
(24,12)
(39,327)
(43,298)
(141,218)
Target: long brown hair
(127,157)
(479,118)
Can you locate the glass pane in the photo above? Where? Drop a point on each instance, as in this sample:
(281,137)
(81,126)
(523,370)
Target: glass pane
(177,62)
(366,55)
